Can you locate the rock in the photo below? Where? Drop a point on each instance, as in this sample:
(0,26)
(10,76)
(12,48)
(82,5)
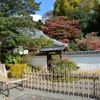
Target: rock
(3,72)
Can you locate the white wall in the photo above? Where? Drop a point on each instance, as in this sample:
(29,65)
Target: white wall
(20,50)
(85,62)
(39,61)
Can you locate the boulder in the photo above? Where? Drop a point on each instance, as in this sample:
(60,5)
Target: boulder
(3,72)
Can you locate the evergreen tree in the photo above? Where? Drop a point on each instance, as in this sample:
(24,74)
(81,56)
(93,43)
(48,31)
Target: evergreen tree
(14,18)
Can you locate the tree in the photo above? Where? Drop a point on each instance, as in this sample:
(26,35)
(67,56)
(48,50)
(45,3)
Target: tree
(65,7)
(77,10)
(83,17)
(61,29)
(15,19)
(72,46)
(89,5)
(94,21)
(18,7)
(90,42)
(40,42)
(47,15)
(38,24)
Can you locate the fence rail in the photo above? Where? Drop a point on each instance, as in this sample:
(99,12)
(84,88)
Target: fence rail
(74,83)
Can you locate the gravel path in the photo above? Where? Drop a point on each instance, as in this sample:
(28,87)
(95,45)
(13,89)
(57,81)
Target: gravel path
(29,94)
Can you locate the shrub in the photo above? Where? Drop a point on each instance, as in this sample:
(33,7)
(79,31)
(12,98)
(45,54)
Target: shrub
(16,70)
(62,66)
(26,58)
(9,58)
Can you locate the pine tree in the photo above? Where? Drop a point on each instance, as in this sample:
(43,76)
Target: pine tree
(14,18)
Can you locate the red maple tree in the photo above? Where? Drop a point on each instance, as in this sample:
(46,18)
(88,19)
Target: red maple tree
(92,40)
(61,29)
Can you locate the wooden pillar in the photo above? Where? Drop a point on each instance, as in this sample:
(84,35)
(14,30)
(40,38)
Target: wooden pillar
(49,60)
(60,55)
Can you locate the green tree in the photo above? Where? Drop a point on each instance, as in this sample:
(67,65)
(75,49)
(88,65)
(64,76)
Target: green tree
(94,21)
(38,24)
(89,5)
(83,17)
(65,7)
(14,20)
(72,46)
(18,7)
(40,42)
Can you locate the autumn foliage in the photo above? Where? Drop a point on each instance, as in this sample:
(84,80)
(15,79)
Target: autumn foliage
(91,40)
(61,29)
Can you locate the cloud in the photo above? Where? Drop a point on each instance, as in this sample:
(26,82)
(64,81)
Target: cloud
(36,17)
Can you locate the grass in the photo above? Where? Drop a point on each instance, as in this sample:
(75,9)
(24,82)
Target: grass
(70,79)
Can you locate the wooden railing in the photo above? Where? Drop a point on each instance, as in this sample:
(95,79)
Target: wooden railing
(74,83)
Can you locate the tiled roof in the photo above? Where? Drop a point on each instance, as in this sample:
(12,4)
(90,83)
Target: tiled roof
(81,53)
(39,33)
(52,48)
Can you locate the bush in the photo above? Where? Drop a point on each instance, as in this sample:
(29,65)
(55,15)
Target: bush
(62,66)
(26,58)
(9,58)
(16,70)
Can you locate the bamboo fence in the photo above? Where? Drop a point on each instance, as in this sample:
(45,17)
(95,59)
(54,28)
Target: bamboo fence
(75,83)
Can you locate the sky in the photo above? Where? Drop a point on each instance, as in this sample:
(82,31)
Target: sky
(45,6)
